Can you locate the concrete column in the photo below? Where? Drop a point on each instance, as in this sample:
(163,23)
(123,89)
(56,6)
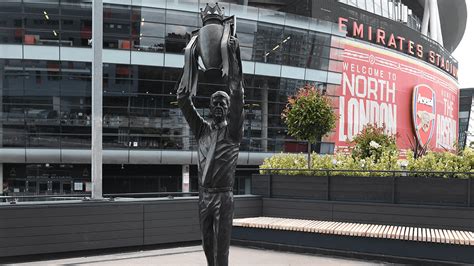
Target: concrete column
(264,103)
(1,178)
(2,76)
(97,31)
(438,24)
(426,18)
(185,174)
(433,24)
(470,126)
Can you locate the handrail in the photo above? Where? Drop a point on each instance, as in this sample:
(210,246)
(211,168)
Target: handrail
(47,196)
(358,171)
(116,195)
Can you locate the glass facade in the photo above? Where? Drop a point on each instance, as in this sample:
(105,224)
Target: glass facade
(47,103)
(46,88)
(465,112)
(397,10)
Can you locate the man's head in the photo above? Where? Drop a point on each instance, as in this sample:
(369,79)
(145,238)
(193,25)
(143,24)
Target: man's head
(219,106)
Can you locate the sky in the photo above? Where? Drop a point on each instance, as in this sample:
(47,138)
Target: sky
(464,53)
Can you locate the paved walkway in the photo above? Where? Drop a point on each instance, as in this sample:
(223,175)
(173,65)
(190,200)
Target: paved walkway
(193,255)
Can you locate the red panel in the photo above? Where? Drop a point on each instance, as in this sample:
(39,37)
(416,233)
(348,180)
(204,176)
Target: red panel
(390,89)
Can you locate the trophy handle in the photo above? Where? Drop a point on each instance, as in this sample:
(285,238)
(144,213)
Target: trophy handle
(232,20)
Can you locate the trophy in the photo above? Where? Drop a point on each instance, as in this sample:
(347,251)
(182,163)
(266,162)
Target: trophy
(208,48)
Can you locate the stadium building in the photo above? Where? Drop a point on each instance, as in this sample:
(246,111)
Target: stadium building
(382,61)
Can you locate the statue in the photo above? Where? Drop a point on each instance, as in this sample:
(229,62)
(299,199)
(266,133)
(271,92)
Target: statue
(217,47)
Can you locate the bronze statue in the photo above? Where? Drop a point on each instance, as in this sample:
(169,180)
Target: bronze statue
(217,46)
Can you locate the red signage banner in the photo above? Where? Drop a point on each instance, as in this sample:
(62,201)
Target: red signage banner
(406,96)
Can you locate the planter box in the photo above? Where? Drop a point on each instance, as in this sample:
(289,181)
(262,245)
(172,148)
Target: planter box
(313,187)
(261,185)
(432,191)
(403,190)
(362,189)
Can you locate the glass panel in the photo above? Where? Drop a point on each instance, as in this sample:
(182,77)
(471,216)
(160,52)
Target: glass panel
(149,44)
(361,4)
(153,3)
(56,187)
(297,21)
(34,37)
(146,14)
(182,18)
(268,43)
(148,29)
(176,38)
(245,12)
(76,141)
(246,26)
(67,188)
(31,187)
(116,12)
(42,188)
(117,28)
(246,39)
(14,36)
(271,16)
(188,5)
(76,8)
(46,7)
(385,8)
(76,38)
(370,5)
(294,47)
(81,24)
(13,6)
(11,20)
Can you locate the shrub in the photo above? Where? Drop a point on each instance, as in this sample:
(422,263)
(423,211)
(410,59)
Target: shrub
(446,162)
(372,142)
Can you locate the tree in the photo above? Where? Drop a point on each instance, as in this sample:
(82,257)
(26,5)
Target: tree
(309,116)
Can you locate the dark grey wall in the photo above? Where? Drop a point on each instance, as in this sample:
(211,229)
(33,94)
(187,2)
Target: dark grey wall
(45,228)
(397,190)
(444,217)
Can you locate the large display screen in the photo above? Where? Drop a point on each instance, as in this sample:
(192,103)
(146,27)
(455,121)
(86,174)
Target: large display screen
(408,97)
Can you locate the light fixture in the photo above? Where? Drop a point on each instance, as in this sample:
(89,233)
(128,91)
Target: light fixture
(45,14)
(55,33)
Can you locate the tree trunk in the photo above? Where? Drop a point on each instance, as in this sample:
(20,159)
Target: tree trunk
(309,155)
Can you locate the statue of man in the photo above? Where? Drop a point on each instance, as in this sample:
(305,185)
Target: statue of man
(218,147)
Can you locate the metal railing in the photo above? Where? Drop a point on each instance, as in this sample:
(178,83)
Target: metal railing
(150,195)
(13,199)
(375,173)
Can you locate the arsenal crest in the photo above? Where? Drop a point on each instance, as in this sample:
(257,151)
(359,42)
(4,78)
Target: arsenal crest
(424,113)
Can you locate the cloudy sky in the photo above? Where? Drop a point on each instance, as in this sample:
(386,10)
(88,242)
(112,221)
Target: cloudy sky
(464,52)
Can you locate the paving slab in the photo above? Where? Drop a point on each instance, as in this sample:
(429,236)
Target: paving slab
(193,255)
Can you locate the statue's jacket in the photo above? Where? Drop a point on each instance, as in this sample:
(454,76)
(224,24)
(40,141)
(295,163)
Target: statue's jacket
(218,144)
